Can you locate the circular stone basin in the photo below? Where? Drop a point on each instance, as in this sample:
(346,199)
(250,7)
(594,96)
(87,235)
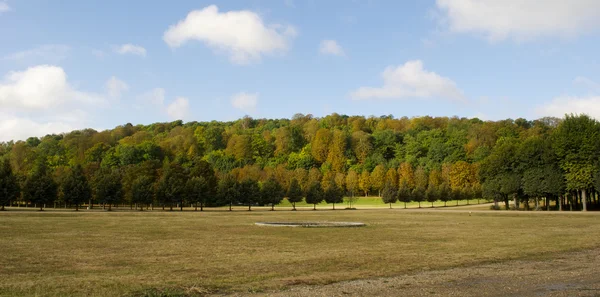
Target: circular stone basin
(311,224)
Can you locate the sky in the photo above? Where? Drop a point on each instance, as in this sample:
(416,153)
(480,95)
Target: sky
(72,64)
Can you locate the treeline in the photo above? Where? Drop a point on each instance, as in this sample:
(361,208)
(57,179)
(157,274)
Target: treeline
(261,161)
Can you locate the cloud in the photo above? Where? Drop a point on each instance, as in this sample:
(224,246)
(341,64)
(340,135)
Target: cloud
(179,108)
(39,101)
(240,34)
(130,49)
(520,20)
(331,47)
(245,101)
(410,81)
(49,52)
(560,106)
(289,3)
(39,88)
(4,7)
(116,87)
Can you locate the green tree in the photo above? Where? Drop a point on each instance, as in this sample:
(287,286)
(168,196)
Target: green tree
(9,186)
(39,187)
(249,191)
(228,190)
(170,188)
(314,194)
(404,192)
(76,188)
(142,191)
(333,193)
(294,193)
(577,144)
(389,194)
(272,192)
(108,188)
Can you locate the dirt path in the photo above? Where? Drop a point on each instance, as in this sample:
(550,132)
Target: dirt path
(569,274)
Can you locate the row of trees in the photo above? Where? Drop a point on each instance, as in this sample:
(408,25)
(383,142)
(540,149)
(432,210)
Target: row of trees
(420,159)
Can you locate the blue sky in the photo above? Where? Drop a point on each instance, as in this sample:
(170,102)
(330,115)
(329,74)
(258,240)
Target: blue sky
(70,64)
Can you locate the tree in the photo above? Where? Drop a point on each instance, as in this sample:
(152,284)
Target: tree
(404,192)
(9,186)
(314,194)
(294,193)
(389,194)
(337,150)
(76,188)
(378,178)
(364,182)
(272,192)
(418,194)
(142,191)
(171,184)
(352,179)
(249,192)
(432,194)
(39,187)
(320,145)
(228,190)
(333,193)
(577,144)
(108,188)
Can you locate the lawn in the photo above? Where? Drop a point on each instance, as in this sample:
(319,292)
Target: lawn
(123,253)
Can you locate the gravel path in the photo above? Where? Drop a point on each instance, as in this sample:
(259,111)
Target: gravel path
(569,274)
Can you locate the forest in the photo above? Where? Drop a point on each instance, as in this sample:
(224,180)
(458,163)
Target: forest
(551,163)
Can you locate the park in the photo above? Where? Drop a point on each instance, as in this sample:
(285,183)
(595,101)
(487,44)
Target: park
(162,253)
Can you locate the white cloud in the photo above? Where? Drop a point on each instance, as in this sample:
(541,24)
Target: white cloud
(520,19)
(20,128)
(241,34)
(410,81)
(245,101)
(4,7)
(130,49)
(116,87)
(331,47)
(179,108)
(560,106)
(40,101)
(39,88)
(49,52)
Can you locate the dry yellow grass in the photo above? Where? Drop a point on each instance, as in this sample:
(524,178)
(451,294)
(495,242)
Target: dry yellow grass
(124,253)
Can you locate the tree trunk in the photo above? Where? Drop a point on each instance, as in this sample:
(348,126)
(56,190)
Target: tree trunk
(445,203)
(76,206)
(171,207)
(195,206)
(431,204)
(41,207)
(230,203)
(109,207)
(419,204)
(272,206)
(404,204)
(390,205)
(334,206)
(201,206)
(249,207)
(2,209)
(294,206)
(516,201)
(583,200)
(181,207)
(314,206)
(467,201)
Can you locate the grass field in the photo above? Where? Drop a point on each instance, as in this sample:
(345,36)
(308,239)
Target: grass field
(137,253)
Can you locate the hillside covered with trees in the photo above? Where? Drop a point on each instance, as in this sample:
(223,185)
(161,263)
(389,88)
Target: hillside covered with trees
(261,161)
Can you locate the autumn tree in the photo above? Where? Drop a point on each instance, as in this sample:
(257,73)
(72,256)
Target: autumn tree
(364,182)
(337,149)
(333,193)
(377,178)
(320,145)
